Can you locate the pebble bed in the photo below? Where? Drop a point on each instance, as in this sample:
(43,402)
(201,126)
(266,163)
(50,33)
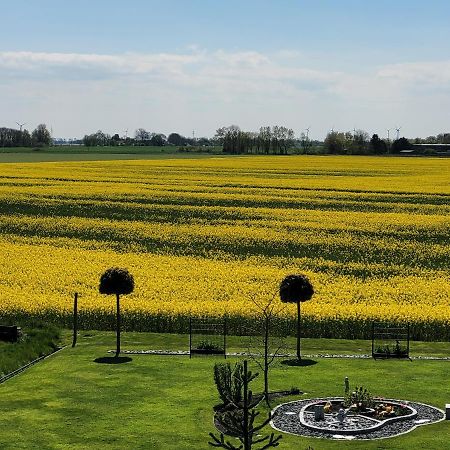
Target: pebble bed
(331,422)
(287,420)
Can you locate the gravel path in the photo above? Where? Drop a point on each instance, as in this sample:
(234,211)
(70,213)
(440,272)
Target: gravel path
(290,355)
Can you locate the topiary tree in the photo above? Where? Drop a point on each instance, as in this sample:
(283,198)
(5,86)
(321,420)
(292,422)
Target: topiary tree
(116,281)
(296,288)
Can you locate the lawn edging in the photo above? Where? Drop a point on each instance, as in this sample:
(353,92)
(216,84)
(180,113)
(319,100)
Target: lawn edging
(28,365)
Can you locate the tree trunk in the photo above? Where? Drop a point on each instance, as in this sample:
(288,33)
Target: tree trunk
(299,357)
(118,326)
(75,320)
(247,443)
(266,361)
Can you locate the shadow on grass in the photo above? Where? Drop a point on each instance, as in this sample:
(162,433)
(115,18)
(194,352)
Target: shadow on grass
(299,362)
(113,359)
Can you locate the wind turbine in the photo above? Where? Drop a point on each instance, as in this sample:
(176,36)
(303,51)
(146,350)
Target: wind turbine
(388,131)
(21,125)
(398,132)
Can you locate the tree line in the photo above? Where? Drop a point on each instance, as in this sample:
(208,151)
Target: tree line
(39,137)
(142,137)
(280,140)
(276,140)
(441,138)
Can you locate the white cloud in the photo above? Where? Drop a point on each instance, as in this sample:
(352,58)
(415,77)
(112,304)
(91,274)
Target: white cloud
(203,90)
(419,74)
(60,65)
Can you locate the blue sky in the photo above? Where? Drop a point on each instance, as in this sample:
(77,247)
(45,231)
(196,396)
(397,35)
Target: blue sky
(178,65)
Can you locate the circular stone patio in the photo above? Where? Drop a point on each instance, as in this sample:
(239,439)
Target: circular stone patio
(287,419)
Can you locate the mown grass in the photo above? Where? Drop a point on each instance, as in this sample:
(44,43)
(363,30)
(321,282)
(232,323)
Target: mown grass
(118,149)
(164,402)
(37,340)
(310,346)
(82,153)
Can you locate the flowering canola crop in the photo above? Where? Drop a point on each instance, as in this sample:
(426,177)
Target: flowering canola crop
(205,237)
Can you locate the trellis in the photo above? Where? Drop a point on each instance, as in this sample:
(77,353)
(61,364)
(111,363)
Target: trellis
(207,336)
(390,341)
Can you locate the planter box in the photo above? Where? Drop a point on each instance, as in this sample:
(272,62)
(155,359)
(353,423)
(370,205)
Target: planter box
(10,333)
(390,355)
(203,351)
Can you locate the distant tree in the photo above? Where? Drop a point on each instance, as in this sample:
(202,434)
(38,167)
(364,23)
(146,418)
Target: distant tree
(9,137)
(377,145)
(335,142)
(220,135)
(305,142)
(203,142)
(176,139)
(115,139)
(119,282)
(282,139)
(158,140)
(265,139)
(443,138)
(41,135)
(400,144)
(97,139)
(359,142)
(430,140)
(296,288)
(141,135)
(26,138)
(230,138)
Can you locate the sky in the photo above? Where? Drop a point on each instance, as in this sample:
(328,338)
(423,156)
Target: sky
(197,65)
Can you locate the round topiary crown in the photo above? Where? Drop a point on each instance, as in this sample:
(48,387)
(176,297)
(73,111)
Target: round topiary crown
(296,288)
(116,281)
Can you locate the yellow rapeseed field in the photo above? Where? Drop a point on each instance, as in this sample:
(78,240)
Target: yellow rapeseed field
(206,236)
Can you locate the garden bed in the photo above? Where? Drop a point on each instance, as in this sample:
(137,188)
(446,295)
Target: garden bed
(287,418)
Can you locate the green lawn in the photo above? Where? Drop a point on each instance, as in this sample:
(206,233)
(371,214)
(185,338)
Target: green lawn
(37,341)
(171,341)
(82,153)
(165,402)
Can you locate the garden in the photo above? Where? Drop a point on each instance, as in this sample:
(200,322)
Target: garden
(167,402)
(225,257)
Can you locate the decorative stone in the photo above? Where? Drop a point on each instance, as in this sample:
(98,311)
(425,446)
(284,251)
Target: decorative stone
(421,421)
(319,413)
(341,416)
(343,436)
